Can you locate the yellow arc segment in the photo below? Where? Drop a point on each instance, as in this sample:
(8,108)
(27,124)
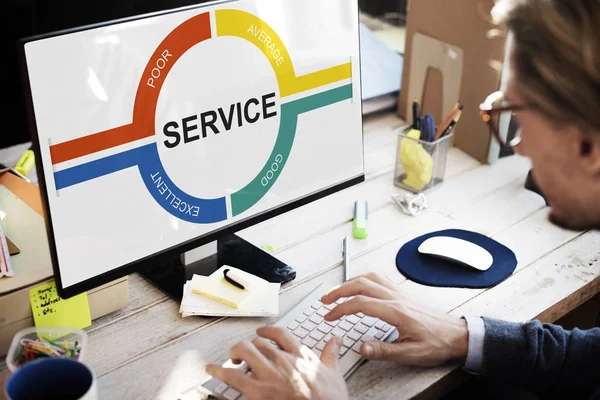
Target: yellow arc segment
(248,26)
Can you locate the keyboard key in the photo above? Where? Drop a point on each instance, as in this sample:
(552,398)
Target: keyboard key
(317,305)
(309,312)
(369,321)
(243,397)
(354,335)
(301,332)
(221,388)
(315,319)
(356,347)
(345,326)
(309,326)
(333,323)
(323,327)
(353,319)
(322,311)
(231,394)
(300,319)
(340,300)
(321,345)
(379,335)
(379,324)
(330,306)
(327,337)
(338,332)
(317,352)
(293,326)
(360,315)
(370,335)
(343,350)
(348,342)
(309,342)
(386,327)
(361,328)
(317,335)
(349,360)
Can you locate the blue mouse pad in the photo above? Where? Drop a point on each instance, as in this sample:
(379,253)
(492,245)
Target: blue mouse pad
(431,271)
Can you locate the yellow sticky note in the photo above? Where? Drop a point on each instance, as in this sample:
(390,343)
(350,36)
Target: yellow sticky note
(50,310)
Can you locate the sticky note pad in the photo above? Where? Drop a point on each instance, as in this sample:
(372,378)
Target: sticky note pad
(217,288)
(50,310)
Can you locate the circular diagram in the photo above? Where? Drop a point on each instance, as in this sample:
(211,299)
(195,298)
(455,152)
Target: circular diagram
(298,94)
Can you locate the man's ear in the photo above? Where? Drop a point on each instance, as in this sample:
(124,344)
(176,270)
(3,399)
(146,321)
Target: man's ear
(590,153)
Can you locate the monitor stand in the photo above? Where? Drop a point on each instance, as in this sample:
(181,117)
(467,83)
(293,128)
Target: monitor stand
(170,275)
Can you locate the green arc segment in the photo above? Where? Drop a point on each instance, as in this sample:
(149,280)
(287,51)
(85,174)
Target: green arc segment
(248,196)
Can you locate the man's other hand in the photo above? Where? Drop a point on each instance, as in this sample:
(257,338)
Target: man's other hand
(427,337)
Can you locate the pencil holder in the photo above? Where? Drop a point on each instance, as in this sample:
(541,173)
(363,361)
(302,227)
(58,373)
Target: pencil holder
(34,343)
(420,165)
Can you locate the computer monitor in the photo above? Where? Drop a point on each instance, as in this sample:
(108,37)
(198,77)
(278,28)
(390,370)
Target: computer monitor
(164,132)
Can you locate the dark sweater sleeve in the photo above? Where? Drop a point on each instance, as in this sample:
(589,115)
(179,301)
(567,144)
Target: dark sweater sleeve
(541,358)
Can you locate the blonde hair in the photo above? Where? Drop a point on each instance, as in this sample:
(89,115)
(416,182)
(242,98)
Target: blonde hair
(556,57)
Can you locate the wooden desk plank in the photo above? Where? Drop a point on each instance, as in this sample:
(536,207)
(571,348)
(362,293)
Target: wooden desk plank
(387,224)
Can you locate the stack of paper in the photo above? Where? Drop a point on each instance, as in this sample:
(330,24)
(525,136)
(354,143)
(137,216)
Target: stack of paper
(259,299)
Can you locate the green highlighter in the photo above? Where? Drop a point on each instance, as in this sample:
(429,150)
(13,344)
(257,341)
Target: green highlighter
(359,226)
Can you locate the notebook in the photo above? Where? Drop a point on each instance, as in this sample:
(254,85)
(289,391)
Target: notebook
(261,298)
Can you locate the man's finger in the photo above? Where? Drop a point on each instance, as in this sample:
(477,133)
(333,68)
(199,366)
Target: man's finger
(284,339)
(402,353)
(330,355)
(375,277)
(236,378)
(276,356)
(359,286)
(382,309)
(256,361)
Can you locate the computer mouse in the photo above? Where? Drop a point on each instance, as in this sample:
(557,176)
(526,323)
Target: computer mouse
(457,250)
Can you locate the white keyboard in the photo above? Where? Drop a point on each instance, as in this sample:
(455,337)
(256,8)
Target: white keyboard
(306,322)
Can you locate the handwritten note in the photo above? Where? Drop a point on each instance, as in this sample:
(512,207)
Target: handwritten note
(49,309)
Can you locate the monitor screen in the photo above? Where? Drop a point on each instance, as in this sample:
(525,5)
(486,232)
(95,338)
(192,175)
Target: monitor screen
(166,130)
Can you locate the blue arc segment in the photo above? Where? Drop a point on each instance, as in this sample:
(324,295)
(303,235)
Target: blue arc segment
(161,187)
(174,200)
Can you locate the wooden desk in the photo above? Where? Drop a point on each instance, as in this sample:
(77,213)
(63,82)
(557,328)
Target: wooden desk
(148,351)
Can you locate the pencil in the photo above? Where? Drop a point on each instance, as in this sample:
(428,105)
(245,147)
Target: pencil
(446,121)
(452,124)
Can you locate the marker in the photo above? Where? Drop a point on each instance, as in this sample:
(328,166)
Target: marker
(235,279)
(359,226)
(26,162)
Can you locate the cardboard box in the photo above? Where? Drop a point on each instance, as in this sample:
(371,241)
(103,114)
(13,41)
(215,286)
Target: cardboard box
(463,24)
(24,224)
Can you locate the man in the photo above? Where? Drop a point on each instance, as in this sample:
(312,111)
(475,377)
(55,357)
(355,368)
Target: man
(554,93)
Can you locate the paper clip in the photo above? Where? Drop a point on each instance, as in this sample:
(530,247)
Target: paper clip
(411,204)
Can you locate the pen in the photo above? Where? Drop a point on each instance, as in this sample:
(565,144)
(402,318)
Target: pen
(415,114)
(346,259)
(235,279)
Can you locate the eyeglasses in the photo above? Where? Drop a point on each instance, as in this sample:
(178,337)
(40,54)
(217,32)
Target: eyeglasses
(497,113)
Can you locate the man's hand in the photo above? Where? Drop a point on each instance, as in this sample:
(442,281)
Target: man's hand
(427,337)
(291,371)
